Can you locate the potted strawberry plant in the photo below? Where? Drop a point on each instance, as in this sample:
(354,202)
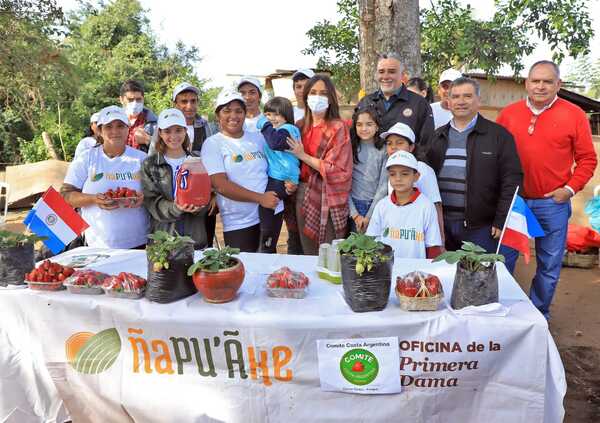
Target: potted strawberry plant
(218,275)
(476,280)
(169,257)
(366,266)
(16,256)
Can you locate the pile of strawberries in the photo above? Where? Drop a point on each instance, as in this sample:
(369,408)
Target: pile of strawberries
(121,192)
(125,282)
(49,272)
(287,278)
(88,278)
(418,284)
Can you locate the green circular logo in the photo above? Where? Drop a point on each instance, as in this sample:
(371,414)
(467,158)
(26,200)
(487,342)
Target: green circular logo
(359,367)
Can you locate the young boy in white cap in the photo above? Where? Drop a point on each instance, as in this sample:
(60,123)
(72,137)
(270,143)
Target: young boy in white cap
(441,112)
(299,79)
(406,220)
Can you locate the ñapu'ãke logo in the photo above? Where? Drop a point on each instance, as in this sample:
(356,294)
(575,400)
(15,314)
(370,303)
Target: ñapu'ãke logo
(359,366)
(91,353)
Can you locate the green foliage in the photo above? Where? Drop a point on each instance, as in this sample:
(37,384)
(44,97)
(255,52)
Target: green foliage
(11,239)
(472,257)
(163,245)
(365,249)
(336,44)
(215,260)
(586,73)
(55,72)
(452,37)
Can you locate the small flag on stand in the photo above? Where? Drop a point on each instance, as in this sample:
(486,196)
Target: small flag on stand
(52,217)
(521,225)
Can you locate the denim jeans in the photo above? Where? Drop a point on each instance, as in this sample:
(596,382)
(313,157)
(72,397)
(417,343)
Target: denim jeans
(362,207)
(456,233)
(549,249)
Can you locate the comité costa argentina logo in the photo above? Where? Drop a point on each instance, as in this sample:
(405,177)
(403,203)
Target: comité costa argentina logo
(359,366)
(90,353)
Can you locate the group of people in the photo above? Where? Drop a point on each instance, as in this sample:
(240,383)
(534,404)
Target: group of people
(421,177)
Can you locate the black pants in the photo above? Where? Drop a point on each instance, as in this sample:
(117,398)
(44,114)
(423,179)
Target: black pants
(210,223)
(270,223)
(247,239)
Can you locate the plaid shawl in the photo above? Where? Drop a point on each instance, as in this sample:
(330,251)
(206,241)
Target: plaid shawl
(328,189)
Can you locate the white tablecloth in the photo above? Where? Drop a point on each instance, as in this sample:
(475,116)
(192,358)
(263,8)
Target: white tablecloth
(171,381)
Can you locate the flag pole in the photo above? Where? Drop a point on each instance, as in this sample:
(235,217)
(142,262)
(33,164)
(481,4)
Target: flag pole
(512,203)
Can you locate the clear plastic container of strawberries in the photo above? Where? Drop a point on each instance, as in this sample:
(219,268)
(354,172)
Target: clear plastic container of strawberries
(286,283)
(48,276)
(86,281)
(124,285)
(123,196)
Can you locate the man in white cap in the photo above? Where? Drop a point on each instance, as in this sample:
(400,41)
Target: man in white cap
(406,220)
(441,113)
(299,79)
(251,90)
(185,98)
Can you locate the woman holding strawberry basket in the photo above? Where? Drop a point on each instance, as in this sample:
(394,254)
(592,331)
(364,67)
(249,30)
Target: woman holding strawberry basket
(105,184)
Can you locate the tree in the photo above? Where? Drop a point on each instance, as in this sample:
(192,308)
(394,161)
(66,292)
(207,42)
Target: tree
(55,72)
(586,73)
(382,30)
(452,37)
(336,44)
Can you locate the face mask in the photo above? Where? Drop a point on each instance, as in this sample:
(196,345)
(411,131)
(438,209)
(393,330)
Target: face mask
(317,103)
(134,108)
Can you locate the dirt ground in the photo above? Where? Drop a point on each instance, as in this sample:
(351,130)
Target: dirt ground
(575,326)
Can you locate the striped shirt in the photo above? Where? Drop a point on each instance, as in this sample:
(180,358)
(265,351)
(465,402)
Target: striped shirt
(452,177)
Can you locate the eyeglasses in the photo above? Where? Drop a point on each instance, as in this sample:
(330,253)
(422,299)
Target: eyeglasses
(532,122)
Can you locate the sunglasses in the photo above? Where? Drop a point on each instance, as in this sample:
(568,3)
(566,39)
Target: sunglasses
(532,122)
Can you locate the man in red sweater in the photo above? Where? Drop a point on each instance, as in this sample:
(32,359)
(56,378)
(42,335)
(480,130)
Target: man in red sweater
(552,135)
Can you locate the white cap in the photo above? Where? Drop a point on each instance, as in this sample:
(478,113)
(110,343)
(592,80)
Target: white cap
(226,97)
(250,80)
(110,113)
(170,117)
(184,86)
(306,72)
(402,158)
(450,75)
(401,129)
(94,117)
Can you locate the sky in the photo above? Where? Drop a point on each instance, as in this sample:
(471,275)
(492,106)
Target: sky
(240,37)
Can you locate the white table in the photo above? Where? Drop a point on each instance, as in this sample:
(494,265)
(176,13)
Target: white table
(523,382)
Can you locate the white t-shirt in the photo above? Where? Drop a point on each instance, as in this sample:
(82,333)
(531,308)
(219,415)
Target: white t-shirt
(84,144)
(441,116)
(175,165)
(427,183)
(408,229)
(298,113)
(94,172)
(244,161)
(250,123)
(190,132)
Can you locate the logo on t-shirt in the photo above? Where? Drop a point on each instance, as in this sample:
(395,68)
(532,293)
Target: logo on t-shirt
(410,234)
(117,176)
(256,155)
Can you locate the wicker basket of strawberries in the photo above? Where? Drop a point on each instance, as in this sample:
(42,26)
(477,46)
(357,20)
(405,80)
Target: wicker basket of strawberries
(419,291)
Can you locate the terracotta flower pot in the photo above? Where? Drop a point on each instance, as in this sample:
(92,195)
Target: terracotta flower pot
(220,286)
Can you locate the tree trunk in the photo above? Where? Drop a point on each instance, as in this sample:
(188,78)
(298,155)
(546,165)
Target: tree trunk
(49,146)
(388,26)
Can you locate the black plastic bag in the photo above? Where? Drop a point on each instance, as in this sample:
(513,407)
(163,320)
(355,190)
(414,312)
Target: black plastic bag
(173,283)
(371,290)
(474,288)
(15,262)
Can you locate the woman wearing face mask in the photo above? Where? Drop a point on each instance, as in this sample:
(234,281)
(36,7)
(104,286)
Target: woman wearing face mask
(326,170)
(108,165)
